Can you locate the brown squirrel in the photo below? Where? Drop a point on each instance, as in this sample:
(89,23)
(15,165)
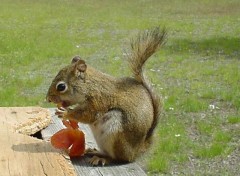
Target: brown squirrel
(121,112)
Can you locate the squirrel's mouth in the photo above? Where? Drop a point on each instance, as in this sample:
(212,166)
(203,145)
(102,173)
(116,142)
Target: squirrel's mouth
(64,104)
(59,102)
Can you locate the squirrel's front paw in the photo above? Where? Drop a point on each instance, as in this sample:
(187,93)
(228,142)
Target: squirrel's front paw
(61,112)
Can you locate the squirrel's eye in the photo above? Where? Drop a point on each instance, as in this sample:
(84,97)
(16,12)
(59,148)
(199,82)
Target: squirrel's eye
(61,87)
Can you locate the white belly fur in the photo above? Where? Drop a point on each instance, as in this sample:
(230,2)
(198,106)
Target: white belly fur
(106,131)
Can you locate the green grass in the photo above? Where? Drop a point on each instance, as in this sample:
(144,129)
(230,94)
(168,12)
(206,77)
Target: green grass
(199,65)
(234,119)
(215,139)
(173,141)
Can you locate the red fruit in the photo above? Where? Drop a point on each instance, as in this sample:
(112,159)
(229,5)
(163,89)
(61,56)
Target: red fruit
(78,146)
(61,139)
(70,124)
(70,138)
(74,124)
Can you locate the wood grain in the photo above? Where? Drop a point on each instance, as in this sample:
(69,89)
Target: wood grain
(25,120)
(22,155)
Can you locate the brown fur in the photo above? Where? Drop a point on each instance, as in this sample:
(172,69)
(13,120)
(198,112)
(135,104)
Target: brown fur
(122,112)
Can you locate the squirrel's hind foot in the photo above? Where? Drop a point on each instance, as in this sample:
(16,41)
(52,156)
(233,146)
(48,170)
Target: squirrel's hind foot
(96,160)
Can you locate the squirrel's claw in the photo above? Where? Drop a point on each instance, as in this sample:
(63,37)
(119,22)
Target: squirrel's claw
(95,161)
(61,112)
(97,157)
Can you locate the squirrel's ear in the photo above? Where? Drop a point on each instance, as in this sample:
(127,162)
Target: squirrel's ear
(75,59)
(80,69)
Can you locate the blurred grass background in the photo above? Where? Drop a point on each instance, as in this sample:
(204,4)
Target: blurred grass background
(197,72)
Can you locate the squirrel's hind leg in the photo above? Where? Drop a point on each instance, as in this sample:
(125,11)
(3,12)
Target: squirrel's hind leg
(106,131)
(115,137)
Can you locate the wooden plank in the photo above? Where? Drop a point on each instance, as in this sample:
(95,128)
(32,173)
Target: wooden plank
(25,120)
(81,164)
(23,155)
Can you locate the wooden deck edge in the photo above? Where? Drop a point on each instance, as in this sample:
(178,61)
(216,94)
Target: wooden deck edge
(21,154)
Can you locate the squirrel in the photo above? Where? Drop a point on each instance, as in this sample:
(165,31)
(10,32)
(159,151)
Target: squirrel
(121,112)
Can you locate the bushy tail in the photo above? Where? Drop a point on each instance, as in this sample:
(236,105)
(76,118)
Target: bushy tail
(145,45)
(142,47)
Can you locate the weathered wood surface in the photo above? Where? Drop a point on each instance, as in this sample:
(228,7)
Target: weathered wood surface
(25,120)
(81,164)
(22,155)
